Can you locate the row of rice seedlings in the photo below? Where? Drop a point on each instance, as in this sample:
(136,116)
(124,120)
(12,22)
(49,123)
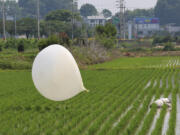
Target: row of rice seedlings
(166,122)
(98,93)
(84,113)
(140,115)
(83,125)
(159,124)
(97,124)
(172,120)
(158,128)
(126,119)
(34,112)
(74,118)
(150,117)
(136,122)
(167,117)
(108,124)
(17,109)
(178,105)
(102,84)
(159,118)
(142,121)
(95,102)
(105,99)
(178,115)
(22,112)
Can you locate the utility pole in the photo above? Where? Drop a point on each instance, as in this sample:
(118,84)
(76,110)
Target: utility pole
(15,25)
(4,20)
(38,19)
(72,20)
(74,4)
(122,26)
(15,19)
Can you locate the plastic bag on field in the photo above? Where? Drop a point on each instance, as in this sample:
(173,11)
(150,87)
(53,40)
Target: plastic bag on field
(56,75)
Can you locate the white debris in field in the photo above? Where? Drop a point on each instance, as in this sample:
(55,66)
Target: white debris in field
(163,101)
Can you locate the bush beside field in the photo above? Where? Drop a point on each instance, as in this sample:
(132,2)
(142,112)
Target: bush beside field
(19,54)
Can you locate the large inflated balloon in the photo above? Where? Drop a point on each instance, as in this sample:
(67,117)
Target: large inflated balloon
(56,75)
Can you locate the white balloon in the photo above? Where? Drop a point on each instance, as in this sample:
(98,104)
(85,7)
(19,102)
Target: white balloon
(56,75)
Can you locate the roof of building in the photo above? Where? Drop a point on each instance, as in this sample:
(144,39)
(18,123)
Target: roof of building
(98,17)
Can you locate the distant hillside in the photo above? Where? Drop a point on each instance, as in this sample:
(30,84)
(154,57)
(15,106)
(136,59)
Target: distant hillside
(168,11)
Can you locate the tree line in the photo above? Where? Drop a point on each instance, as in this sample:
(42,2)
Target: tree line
(56,16)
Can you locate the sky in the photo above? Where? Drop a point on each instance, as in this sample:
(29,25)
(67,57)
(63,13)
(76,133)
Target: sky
(111,4)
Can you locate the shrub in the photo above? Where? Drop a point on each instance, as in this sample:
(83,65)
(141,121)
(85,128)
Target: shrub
(156,40)
(164,39)
(169,47)
(108,30)
(52,40)
(2,43)
(10,43)
(126,45)
(108,42)
(20,46)
(43,43)
(0,48)
(64,39)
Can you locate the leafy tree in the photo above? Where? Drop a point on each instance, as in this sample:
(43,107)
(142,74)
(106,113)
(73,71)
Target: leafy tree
(29,6)
(51,27)
(168,47)
(20,46)
(88,10)
(59,21)
(106,35)
(108,30)
(9,27)
(107,13)
(130,15)
(27,26)
(59,15)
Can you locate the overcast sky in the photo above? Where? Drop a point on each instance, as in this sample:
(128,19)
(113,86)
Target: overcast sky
(111,4)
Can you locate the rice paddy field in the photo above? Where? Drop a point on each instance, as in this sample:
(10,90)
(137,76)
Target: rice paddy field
(121,92)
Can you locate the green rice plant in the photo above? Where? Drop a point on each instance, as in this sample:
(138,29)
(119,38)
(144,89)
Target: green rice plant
(159,123)
(149,118)
(98,113)
(101,119)
(140,115)
(172,120)
(122,124)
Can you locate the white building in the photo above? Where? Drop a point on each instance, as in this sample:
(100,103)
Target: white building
(145,27)
(171,28)
(94,21)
